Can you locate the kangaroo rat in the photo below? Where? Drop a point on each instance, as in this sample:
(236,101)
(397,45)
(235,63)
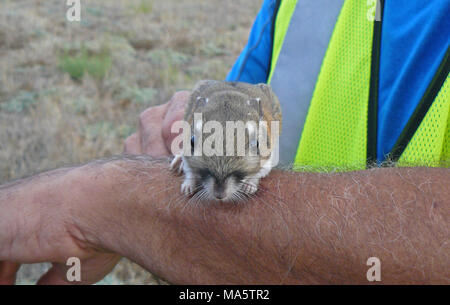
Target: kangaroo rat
(228,177)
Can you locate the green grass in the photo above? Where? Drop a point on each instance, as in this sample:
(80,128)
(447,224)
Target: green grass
(144,7)
(20,103)
(142,96)
(24,100)
(168,57)
(77,65)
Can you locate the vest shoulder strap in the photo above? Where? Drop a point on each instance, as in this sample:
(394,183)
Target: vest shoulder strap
(336,127)
(430,144)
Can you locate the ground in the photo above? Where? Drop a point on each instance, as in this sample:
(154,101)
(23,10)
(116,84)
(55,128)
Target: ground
(71,92)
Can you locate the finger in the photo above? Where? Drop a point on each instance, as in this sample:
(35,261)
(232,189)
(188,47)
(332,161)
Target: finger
(150,130)
(132,145)
(175,112)
(8,272)
(54,276)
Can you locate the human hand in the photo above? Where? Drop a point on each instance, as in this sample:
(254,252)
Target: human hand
(154,136)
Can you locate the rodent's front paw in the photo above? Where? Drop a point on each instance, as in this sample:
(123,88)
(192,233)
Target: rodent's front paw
(188,187)
(250,186)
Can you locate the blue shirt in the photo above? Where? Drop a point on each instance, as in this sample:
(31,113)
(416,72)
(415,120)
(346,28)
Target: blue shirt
(414,39)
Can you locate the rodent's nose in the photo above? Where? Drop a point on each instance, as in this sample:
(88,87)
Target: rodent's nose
(219,196)
(219,191)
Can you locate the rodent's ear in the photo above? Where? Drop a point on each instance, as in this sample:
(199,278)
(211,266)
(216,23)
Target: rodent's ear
(256,104)
(266,89)
(201,85)
(199,93)
(271,103)
(201,101)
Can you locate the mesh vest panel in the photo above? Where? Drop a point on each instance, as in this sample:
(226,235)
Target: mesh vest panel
(335,132)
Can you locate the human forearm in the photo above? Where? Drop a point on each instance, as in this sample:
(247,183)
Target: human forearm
(301,227)
(37,224)
(32,211)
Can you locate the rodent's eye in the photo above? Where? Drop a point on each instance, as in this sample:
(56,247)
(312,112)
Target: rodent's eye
(192,144)
(204,173)
(239,175)
(255,144)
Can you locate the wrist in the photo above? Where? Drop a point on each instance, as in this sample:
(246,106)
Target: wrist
(36,218)
(116,206)
(90,206)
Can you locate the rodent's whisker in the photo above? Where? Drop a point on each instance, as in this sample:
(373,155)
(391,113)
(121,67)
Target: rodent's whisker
(198,197)
(164,190)
(176,201)
(202,195)
(275,196)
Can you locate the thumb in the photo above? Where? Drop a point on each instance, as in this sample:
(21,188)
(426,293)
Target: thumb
(175,112)
(54,276)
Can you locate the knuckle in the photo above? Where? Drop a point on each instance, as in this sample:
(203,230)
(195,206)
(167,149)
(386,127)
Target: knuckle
(126,145)
(177,95)
(143,116)
(130,142)
(127,141)
(180,97)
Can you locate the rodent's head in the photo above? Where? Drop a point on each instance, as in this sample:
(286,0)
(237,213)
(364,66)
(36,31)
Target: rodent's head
(222,178)
(222,171)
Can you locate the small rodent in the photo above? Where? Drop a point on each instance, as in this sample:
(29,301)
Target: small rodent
(225,177)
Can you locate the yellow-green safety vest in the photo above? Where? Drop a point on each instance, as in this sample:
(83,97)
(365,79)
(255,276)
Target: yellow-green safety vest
(339,130)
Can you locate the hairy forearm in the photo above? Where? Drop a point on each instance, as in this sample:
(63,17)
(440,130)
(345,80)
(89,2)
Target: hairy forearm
(300,228)
(32,213)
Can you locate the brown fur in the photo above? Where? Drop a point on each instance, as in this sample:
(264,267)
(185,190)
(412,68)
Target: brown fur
(227,101)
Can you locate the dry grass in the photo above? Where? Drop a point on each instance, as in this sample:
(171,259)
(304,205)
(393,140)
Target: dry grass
(71,92)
